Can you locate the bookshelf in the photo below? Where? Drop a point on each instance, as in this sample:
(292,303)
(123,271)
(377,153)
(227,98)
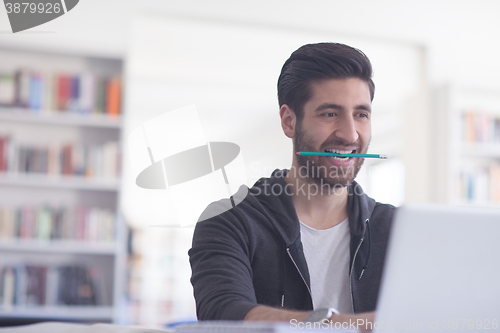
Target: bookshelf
(62,238)
(468,145)
(62,182)
(47,117)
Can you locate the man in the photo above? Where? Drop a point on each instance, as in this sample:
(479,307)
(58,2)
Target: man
(305,238)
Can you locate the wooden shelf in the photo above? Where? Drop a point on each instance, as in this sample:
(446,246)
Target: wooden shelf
(58,312)
(59,182)
(57,246)
(62,118)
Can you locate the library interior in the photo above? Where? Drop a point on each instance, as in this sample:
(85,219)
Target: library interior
(91,232)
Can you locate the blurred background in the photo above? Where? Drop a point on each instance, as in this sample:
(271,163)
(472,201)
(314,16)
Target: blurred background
(81,241)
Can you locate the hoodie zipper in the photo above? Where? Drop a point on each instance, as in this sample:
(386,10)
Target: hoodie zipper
(350,274)
(297,267)
(352,267)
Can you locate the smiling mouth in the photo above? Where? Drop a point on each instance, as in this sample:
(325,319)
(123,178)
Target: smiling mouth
(338,151)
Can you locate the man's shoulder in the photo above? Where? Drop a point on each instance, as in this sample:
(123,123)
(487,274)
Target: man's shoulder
(262,206)
(228,206)
(389,208)
(244,200)
(363,206)
(383,213)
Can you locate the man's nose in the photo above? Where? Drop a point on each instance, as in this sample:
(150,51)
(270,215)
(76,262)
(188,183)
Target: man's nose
(346,130)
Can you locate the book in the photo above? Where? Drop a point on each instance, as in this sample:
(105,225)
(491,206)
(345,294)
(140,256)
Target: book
(113,97)
(87,93)
(35,95)
(3,152)
(26,284)
(80,93)
(22,88)
(7,89)
(47,223)
(480,184)
(8,287)
(480,127)
(96,161)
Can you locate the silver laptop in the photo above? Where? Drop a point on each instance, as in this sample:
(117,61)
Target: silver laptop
(442,271)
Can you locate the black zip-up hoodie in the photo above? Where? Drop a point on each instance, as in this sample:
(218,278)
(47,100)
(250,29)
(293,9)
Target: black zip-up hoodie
(252,254)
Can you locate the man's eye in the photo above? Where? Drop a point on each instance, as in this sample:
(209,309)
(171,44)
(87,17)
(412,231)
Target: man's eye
(329,114)
(363,115)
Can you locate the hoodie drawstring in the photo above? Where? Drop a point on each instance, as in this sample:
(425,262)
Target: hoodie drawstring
(365,266)
(283,282)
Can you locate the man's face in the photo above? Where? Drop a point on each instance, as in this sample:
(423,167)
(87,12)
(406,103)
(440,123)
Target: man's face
(338,117)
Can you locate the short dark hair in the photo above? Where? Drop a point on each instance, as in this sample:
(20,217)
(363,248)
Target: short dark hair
(316,62)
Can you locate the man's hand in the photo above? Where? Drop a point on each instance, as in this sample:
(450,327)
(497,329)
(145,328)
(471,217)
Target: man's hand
(364,321)
(267,313)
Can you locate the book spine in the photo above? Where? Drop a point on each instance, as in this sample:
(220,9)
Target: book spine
(83,93)
(22,85)
(8,287)
(480,127)
(38,285)
(87,98)
(113,97)
(7,89)
(3,153)
(46,223)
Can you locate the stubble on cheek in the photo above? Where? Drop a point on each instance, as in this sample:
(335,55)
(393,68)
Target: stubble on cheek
(317,169)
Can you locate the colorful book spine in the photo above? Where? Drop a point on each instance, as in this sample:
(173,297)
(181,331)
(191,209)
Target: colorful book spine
(22,88)
(4,141)
(480,127)
(83,93)
(35,285)
(480,184)
(46,223)
(113,97)
(96,161)
(7,89)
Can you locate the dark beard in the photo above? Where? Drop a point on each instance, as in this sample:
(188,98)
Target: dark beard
(317,169)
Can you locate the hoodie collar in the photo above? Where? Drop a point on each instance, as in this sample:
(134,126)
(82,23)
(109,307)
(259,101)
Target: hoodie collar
(274,193)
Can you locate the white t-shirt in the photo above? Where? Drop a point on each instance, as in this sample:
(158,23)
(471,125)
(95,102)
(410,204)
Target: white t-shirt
(327,256)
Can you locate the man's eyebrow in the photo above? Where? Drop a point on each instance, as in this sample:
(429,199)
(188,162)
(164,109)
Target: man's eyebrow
(364,107)
(326,106)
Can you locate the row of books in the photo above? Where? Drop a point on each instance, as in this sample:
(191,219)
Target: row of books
(84,93)
(25,285)
(480,127)
(47,223)
(98,161)
(480,184)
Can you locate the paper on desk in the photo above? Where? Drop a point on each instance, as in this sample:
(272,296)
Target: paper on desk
(55,327)
(250,327)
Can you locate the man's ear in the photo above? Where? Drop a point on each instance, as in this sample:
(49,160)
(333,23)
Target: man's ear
(288,120)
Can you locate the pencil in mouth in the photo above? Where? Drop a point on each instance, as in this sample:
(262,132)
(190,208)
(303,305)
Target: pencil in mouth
(348,154)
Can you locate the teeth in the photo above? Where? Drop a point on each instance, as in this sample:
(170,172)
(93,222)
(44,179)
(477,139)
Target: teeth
(339,151)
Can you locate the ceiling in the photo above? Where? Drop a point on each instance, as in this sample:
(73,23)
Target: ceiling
(461,37)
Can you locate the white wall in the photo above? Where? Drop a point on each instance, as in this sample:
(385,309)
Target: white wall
(461,35)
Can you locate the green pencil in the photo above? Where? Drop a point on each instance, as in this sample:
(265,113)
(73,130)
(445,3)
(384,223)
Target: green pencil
(314,153)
